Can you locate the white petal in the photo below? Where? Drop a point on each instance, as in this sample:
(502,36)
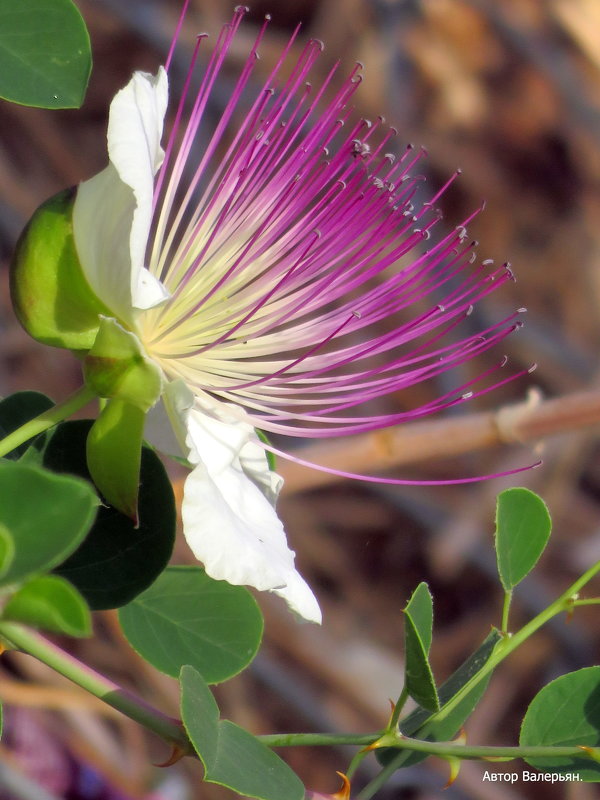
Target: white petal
(166,422)
(228,515)
(113,210)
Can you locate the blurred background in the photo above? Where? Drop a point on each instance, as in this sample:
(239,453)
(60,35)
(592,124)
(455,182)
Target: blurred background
(510,93)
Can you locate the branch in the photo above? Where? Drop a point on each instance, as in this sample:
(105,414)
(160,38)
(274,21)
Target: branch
(421,441)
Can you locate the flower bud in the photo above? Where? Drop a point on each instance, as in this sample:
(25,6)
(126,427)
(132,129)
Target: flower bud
(50,295)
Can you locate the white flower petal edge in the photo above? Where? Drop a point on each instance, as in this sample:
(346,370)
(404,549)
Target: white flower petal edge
(229,520)
(113,210)
(166,422)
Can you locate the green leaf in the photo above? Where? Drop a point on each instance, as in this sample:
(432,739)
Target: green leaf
(185,617)
(47,516)
(231,756)
(50,603)
(45,57)
(523,528)
(116,561)
(418,626)
(15,411)
(566,712)
(422,724)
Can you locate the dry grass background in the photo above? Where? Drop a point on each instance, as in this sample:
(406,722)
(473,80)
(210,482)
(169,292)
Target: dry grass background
(510,92)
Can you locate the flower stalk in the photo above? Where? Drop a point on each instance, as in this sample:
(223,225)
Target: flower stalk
(46,420)
(18,637)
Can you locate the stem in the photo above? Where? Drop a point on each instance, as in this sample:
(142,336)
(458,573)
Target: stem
(506,611)
(306,739)
(416,442)
(398,708)
(453,750)
(106,690)
(591,601)
(46,420)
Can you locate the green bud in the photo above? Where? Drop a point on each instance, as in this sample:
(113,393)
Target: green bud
(114,452)
(116,366)
(50,295)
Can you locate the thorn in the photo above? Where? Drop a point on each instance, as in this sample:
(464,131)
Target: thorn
(374,746)
(176,755)
(344,793)
(497,759)
(592,752)
(461,738)
(454,770)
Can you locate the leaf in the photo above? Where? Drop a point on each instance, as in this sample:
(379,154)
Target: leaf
(231,756)
(422,724)
(50,603)
(418,626)
(566,712)
(117,561)
(16,410)
(47,516)
(523,527)
(45,57)
(185,617)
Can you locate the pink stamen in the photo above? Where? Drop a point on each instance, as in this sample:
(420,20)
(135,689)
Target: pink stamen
(289,243)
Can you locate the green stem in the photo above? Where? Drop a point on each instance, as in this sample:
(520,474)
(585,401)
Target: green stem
(398,708)
(111,693)
(46,420)
(400,742)
(590,601)
(506,611)
(452,749)
(306,739)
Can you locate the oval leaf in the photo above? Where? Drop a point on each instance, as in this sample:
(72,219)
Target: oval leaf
(418,627)
(231,756)
(185,617)
(566,712)
(47,516)
(45,57)
(523,527)
(50,603)
(117,561)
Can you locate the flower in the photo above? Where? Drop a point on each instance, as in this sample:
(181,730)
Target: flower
(252,271)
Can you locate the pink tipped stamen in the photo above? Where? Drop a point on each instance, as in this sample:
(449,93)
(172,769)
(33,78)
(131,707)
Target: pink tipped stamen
(288,245)
(176,34)
(394,481)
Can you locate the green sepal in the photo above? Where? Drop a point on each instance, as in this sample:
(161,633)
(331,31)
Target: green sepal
(114,452)
(116,366)
(51,297)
